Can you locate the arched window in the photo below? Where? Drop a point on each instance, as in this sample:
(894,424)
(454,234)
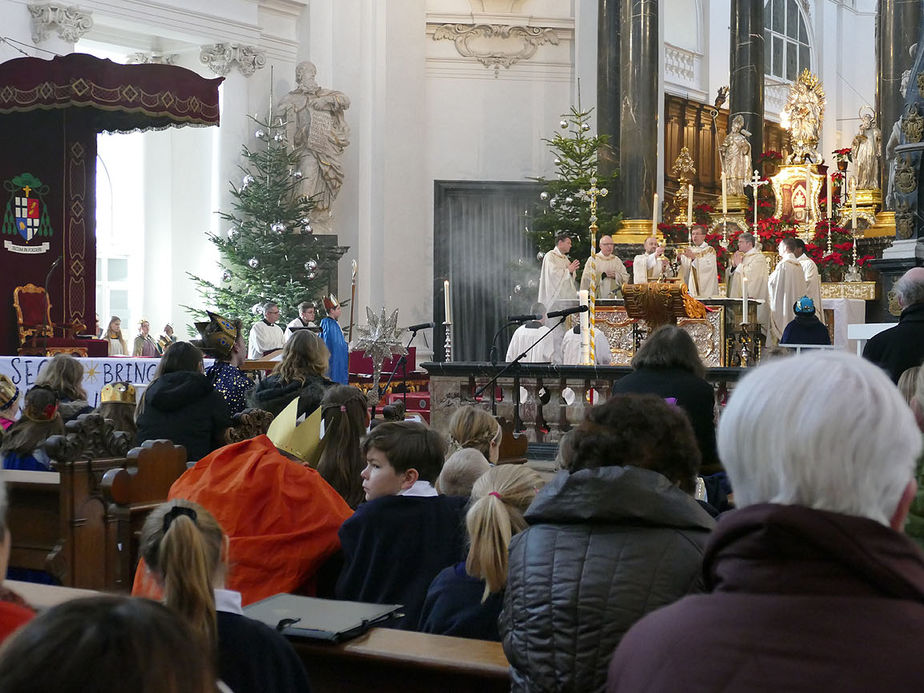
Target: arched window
(786,46)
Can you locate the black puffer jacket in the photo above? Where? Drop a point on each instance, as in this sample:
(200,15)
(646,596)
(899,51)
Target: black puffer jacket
(184,408)
(273,395)
(604,547)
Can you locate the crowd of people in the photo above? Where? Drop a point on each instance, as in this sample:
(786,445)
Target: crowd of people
(767,551)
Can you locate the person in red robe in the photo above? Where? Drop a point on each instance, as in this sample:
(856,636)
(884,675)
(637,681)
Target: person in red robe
(280,516)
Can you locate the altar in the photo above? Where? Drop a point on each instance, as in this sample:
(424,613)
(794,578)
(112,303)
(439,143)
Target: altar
(716,336)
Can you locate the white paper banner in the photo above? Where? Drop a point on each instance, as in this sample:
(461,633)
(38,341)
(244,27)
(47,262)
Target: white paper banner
(97,372)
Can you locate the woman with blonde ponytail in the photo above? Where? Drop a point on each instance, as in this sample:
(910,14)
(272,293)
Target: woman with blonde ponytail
(185,550)
(465,600)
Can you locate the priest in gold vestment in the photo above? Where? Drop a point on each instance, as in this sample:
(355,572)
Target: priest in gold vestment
(700,268)
(611,273)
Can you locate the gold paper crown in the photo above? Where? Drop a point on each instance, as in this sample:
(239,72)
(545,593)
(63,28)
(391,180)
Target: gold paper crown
(300,439)
(331,302)
(9,393)
(118,392)
(218,334)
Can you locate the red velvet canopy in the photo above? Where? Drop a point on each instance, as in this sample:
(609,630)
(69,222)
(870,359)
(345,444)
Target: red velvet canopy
(120,97)
(50,113)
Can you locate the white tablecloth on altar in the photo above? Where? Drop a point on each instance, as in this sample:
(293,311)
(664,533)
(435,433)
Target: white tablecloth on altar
(97,372)
(847,311)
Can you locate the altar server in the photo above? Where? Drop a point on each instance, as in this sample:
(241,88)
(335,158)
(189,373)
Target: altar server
(530,333)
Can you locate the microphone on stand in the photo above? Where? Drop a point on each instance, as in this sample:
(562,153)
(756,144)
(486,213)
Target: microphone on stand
(46,327)
(523,318)
(567,311)
(421,326)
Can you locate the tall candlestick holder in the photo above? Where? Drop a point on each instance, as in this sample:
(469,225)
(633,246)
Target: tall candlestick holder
(447,341)
(853,272)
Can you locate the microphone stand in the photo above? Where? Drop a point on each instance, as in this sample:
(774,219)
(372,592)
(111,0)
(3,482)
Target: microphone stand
(400,362)
(492,356)
(510,365)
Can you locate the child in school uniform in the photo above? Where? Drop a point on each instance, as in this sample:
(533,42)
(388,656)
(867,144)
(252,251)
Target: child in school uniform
(406,533)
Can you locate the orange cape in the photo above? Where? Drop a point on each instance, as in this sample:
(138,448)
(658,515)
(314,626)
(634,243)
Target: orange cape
(281,517)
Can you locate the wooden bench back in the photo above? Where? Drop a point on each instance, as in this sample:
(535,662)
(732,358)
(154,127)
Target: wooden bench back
(131,493)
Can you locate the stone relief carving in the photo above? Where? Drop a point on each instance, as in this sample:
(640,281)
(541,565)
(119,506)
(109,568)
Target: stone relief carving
(496,45)
(70,21)
(905,179)
(913,124)
(904,219)
(221,57)
(921,83)
(151,59)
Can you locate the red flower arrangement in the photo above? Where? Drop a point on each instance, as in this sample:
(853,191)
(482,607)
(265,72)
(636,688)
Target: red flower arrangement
(845,154)
(769,155)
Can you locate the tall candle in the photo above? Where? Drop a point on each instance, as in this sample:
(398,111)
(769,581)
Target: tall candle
(830,186)
(724,195)
(744,297)
(655,210)
(853,203)
(808,192)
(447,302)
(584,299)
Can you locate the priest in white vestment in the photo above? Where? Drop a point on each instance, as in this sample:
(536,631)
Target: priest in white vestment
(751,265)
(556,282)
(787,285)
(528,334)
(700,267)
(611,273)
(265,335)
(812,278)
(571,343)
(650,265)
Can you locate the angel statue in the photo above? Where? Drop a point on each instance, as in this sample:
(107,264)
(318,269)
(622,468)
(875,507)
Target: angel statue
(735,152)
(802,116)
(867,144)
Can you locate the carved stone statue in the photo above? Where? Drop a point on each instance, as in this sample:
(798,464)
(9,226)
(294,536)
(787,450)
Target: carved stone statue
(802,116)
(867,144)
(735,152)
(316,129)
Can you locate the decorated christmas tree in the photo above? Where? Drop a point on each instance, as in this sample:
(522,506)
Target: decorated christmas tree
(563,206)
(268,251)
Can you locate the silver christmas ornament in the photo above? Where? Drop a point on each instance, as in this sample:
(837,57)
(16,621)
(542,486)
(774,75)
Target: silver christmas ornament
(233,233)
(311,265)
(540,255)
(553,202)
(253,262)
(307,228)
(543,195)
(569,199)
(296,174)
(259,134)
(247,180)
(312,275)
(517,289)
(278,137)
(557,161)
(585,127)
(226,276)
(278,227)
(256,309)
(563,124)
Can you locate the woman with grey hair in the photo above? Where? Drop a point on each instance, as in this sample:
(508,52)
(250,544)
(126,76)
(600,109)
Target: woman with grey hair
(668,365)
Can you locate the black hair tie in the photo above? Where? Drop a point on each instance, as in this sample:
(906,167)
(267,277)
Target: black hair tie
(175,512)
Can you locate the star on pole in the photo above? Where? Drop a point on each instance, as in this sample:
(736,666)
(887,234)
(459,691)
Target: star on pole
(379,340)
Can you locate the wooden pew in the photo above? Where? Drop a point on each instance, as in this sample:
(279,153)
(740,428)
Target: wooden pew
(131,492)
(386,660)
(58,519)
(382,660)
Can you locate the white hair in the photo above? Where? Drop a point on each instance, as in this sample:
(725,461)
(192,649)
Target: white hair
(825,430)
(461,471)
